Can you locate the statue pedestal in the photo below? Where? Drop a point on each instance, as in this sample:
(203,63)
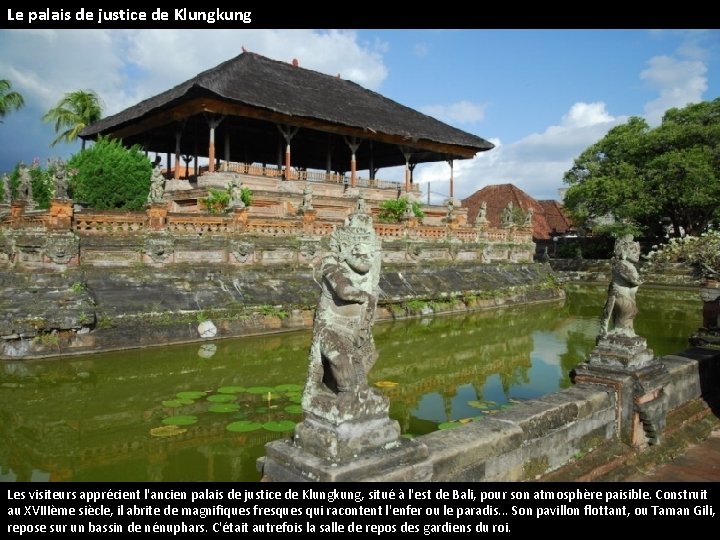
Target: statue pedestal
(285,462)
(629,369)
(617,350)
(348,438)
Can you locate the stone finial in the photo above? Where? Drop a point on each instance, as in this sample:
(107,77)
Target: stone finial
(25,190)
(60,180)
(481,218)
(306,203)
(506,217)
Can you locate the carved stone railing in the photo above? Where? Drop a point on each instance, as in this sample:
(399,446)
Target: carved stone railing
(109,222)
(179,223)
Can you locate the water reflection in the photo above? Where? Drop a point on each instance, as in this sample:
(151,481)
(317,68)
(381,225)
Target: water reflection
(90,418)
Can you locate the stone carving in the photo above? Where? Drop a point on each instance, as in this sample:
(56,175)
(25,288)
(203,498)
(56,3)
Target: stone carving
(60,180)
(528,218)
(25,191)
(157,185)
(481,218)
(6,190)
(506,217)
(344,416)
(306,199)
(159,248)
(343,350)
(450,216)
(621,308)
(242,251)
(236,190)
(62,248)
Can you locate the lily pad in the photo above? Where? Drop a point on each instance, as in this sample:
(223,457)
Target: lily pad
(243,425)
(295,398)
(386,384)
(224,407)
(478,404)
(167,431)
(279,425)
(186,401)
(260,390)
(221,398)
(231,389)
(180,420)
(172,403)
(288,388)
(196,394)
(293,409)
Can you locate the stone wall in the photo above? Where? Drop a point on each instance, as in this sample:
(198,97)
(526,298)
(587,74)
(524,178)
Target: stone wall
(536,437)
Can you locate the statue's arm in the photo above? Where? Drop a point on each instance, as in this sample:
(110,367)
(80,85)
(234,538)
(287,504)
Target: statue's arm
(629,273)
(342,286)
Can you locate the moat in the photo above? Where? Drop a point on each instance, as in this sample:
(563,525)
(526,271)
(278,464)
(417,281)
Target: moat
(203,412)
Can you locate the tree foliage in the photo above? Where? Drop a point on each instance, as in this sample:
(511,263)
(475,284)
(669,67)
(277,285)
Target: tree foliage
(10,100)
(40,179)
(110,176)
(75,111)
(644,176)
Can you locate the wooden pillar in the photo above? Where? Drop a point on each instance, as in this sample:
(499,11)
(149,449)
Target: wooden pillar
(227,142)
(353,144)
(176,173)
(213,122)
(371,167)
(407,154)
(328,158)
(167,162)
(452,178)
(288,133)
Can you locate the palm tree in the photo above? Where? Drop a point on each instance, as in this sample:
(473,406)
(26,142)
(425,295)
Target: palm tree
(73,113)
(9,99)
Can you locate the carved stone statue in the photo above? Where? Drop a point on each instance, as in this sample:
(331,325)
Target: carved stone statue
(25,190)
(620,309)
(157,184)
(481,218)
(506,218)
(337,394)
(306,198)
(60,179)
(343,350)
(6,191)
(528,218)
(450,211)
(236,190)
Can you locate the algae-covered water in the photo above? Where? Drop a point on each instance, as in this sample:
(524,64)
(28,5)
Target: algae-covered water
(203,412)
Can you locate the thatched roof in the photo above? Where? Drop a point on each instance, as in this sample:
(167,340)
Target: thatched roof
(255,93)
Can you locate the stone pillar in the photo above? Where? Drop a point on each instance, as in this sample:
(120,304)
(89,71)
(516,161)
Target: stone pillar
(452,178)
(157,215)
(239,219)
(61,214)
(308,220)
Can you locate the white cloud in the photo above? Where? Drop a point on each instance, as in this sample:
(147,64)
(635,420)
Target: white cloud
(679,82)
(126,66)
(461,112)
(535,163)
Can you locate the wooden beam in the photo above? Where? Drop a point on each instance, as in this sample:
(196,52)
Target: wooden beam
(213,105)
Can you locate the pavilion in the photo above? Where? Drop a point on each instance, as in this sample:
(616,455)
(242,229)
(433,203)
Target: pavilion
(252,109)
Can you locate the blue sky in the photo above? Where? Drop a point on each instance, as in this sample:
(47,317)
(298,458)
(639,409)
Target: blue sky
(542,96)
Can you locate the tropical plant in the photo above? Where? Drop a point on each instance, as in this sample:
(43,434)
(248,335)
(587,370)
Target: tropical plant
(110,176)
(394,210)
(700,252)
(216,201)
(75,111)
(10,100)
(653,177)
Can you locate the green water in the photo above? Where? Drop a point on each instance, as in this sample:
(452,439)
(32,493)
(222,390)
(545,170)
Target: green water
(96,418)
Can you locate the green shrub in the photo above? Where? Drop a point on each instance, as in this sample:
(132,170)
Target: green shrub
(109,176)
(393,210)
(41,180)
(216,201)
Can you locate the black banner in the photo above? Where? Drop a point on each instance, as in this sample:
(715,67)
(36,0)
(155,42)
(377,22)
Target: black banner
(425,509)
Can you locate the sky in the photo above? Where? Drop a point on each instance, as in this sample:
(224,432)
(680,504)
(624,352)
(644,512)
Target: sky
(541,96)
